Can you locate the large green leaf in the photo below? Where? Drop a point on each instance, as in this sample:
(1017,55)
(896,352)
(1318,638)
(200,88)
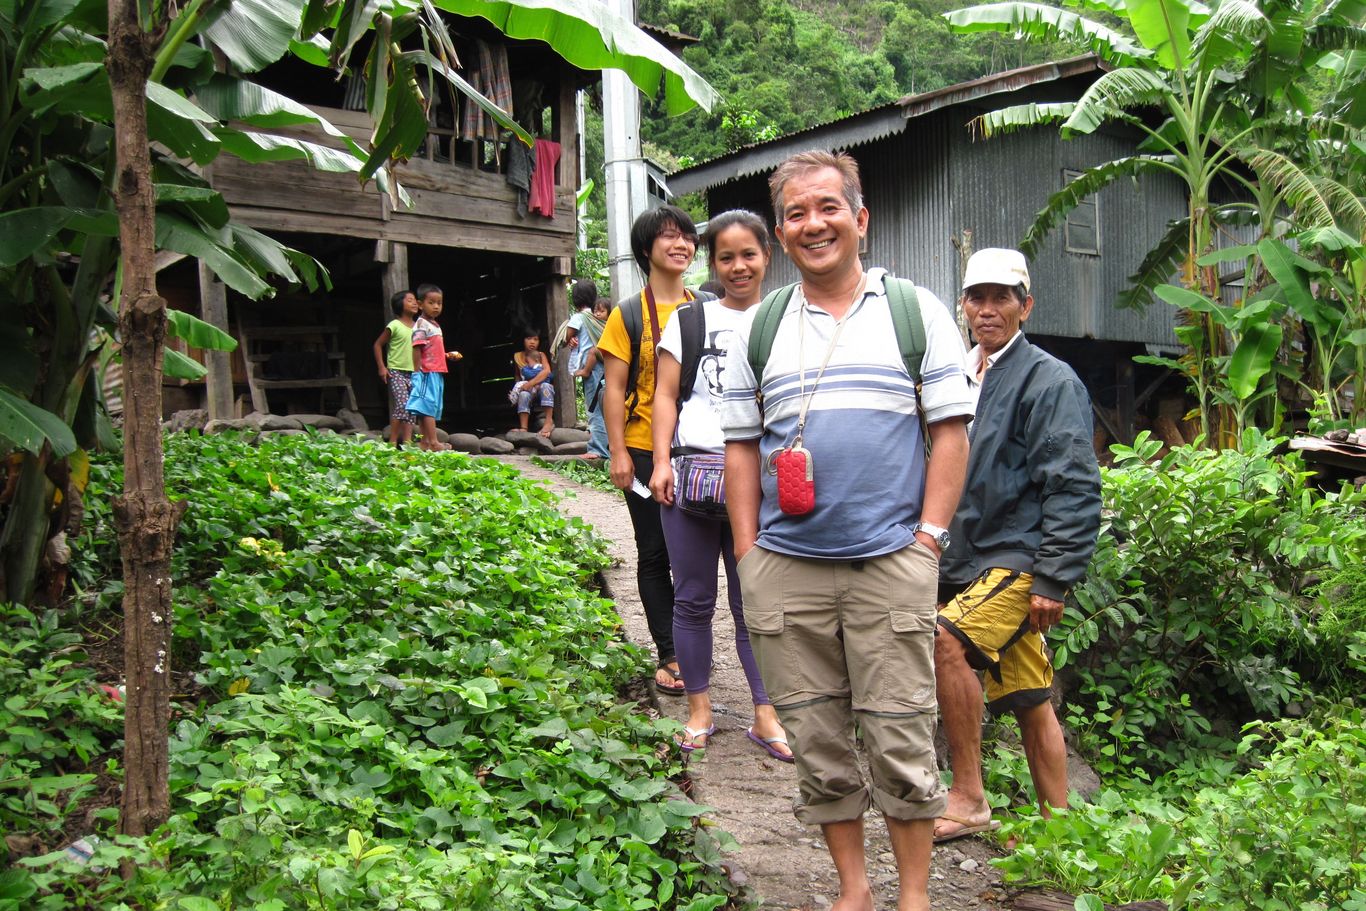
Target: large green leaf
(197,333)
(28,427)
(1164,27)
(24,232)
(1050,23)
(1113,93)
(1234,28)
(228,98)
(182,236)
(257,147)
(1023,116)
(268,256)
(1252,358)
(1280,262)
(179,366)
(1191,300)
(1090,182)
(591,36)
(252,33)
(180,124)
(1159,265)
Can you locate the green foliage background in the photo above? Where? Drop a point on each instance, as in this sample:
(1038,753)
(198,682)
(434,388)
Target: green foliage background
(786,65)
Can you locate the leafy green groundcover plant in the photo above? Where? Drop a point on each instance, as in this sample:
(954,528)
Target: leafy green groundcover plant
(1287,834)
(589,474)
(408,699)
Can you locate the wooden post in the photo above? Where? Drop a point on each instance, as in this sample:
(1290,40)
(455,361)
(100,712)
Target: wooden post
(213,307)
(1124,400)
(556,312)
(394,255)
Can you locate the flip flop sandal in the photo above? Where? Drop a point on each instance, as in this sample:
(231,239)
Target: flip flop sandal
(766,744)
(685,743)
(679,689)
(968,827)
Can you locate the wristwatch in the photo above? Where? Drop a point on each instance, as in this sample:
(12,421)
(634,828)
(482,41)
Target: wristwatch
(940,535)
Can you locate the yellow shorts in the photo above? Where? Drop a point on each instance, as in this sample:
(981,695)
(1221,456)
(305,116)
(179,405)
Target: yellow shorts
(991,618)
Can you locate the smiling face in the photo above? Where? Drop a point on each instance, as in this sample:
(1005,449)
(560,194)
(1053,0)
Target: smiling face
(410,307)
(817,227)
(431,305)
(672,251)
(995,313)
(740,262)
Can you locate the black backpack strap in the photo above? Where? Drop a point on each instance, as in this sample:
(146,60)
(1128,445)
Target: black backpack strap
(764,328)
(692,329)
(634,320)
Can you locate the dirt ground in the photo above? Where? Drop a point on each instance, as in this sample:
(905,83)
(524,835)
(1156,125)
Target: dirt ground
(784,861)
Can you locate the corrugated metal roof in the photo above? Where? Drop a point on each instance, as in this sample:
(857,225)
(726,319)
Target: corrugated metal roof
(870,125)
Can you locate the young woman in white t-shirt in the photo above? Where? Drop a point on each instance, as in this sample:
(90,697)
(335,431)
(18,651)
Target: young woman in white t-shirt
(738,247)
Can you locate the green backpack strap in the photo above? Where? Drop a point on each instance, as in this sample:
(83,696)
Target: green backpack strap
(904,305)
(764,328)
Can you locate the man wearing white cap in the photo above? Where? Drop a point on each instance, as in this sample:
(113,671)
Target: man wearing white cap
(1022,536)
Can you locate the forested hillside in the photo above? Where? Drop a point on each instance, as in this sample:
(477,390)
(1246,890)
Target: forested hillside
(784,65)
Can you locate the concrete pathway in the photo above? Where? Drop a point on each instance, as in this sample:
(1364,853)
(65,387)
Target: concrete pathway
(784,861)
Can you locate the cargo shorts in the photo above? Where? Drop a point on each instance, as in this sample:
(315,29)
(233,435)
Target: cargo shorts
(840,643)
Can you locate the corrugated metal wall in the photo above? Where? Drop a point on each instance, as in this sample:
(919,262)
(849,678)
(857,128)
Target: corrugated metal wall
(926,185)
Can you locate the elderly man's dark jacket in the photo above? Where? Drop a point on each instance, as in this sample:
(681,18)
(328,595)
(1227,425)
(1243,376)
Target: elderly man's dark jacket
(1032,498)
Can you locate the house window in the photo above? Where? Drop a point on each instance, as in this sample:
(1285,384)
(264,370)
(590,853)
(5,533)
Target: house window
(1081,232)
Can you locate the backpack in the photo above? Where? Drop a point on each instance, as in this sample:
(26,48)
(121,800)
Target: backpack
(902,301)
(633,317)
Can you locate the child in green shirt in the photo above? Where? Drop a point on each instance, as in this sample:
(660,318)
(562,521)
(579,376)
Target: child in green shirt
(396,370)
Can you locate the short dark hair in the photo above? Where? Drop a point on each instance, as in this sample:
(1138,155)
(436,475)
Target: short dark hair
(603,302)
(651,224)
(804,162)
(396,302)
(584,293)
(424,290)
(745,219)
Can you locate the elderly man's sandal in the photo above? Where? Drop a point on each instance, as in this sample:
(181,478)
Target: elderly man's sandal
(967,827)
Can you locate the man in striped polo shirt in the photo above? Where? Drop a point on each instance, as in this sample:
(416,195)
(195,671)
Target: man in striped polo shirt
(839,586)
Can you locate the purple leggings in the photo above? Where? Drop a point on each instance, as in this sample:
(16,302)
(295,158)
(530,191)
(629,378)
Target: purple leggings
(694,544)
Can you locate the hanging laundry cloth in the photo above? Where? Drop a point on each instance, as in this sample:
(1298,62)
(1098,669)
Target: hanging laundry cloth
(521,168)
(543,178)
(492,81)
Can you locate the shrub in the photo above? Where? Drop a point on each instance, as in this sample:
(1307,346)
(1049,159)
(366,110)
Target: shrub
(1197,594)
(1290,835)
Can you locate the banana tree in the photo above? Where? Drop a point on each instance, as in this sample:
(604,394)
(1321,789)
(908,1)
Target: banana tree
(1217,78)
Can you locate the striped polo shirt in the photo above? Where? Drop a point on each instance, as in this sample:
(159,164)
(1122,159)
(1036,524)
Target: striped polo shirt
(862,428)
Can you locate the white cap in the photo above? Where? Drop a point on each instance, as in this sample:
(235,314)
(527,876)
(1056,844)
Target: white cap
(996,266)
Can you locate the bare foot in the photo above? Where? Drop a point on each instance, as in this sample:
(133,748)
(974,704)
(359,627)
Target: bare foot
(860,900)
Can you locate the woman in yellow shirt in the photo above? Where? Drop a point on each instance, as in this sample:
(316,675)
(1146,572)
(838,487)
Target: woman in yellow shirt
(663,242)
